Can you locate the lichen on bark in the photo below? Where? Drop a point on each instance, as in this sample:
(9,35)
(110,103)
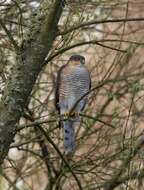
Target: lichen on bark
(29,62)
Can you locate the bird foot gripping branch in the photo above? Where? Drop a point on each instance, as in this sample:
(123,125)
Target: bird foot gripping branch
(72,114)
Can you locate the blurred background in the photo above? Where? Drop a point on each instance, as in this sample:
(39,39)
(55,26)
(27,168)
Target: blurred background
(113,119)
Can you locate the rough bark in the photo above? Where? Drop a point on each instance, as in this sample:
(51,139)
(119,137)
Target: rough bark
(29,62)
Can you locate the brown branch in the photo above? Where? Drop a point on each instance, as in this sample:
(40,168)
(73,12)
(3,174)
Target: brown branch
(99,22)
(114,182)
(61,156)
(94,42)
(134,175)
(9,35)
(23,126)
(44,149)
(96,119)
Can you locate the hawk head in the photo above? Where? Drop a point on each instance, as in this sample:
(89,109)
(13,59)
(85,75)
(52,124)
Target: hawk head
(77,58)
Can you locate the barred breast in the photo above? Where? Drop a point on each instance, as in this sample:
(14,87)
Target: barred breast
(75,82)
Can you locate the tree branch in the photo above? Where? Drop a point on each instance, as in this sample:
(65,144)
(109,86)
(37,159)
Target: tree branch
(99,22)
(61,156)
(114,182)
(11,39)
(94,42)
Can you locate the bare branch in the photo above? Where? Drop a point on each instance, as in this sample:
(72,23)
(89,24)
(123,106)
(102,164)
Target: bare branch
(100,22)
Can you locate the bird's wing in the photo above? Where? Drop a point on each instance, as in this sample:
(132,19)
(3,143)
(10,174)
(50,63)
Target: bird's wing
(57,86)
(84,100)
(89,81)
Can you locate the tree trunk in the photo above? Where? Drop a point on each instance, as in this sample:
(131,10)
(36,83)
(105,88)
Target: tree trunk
(29,62)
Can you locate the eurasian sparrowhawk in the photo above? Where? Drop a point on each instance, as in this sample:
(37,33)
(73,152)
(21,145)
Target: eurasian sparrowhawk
(73,81)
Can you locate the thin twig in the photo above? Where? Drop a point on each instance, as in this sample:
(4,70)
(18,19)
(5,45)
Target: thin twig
(96,119)
(16,47)
(112,183)
(95,42)
(61,155)
(100,22)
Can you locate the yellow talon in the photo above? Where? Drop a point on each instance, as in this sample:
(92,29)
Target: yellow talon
(66,115)
(73,114)
(77,114)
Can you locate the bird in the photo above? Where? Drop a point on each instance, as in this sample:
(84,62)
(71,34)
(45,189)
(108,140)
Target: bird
(72,84)
(63,3)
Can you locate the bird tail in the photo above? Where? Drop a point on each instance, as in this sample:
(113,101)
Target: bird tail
(69,136)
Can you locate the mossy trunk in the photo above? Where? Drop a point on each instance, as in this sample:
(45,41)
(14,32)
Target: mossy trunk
(40,37)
